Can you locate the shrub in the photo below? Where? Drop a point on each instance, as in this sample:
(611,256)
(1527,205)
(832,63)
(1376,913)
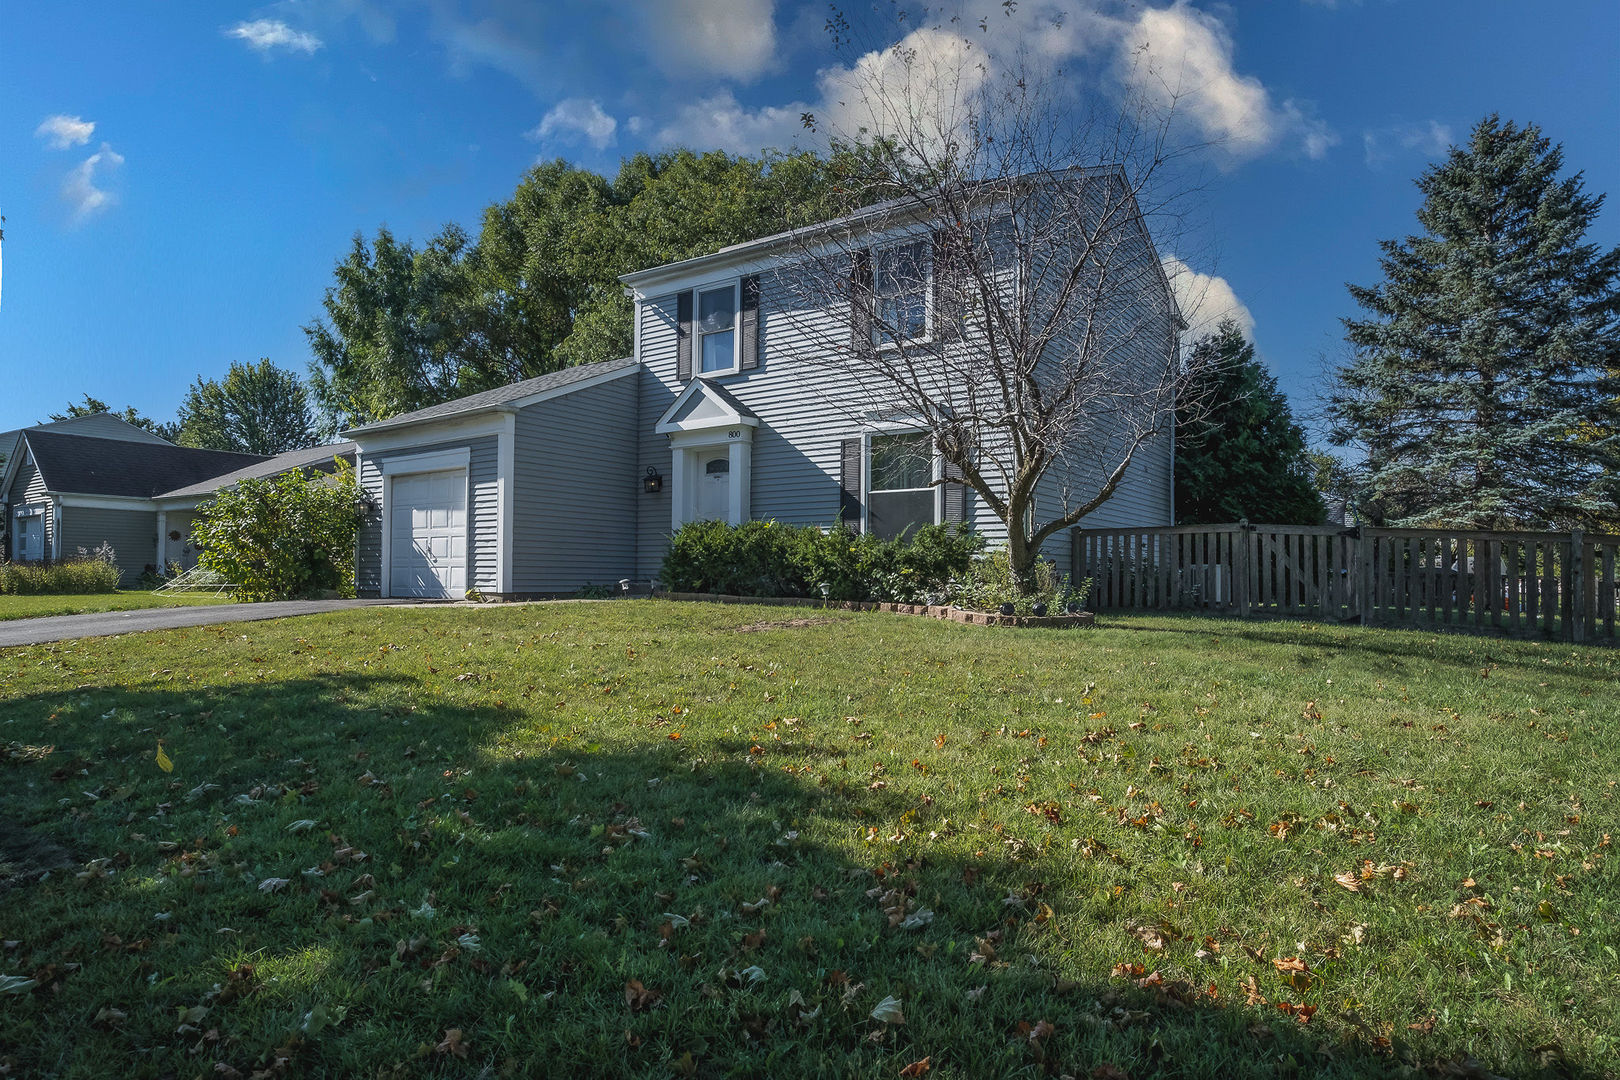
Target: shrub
(990,584)
(766,558)
(89,573)
(283,537)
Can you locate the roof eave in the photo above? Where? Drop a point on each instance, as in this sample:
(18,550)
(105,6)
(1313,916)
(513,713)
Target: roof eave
(396,424)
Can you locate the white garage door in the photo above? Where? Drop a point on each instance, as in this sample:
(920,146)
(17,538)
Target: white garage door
(428,534)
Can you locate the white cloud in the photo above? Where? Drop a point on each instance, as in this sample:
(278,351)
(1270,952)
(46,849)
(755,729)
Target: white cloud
(720,122)
(1429,138)
(79,189)
(1204,300)
(267,34)
(578,116)
(63,131)
(724,39)
(1182,57)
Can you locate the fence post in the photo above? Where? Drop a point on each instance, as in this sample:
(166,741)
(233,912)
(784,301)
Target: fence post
(1241,581)
(1361,577)
(1577,585)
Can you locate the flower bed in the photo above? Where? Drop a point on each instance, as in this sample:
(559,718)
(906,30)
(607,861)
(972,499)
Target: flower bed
(933,611)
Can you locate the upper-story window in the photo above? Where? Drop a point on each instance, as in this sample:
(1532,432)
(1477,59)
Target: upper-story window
(900,293)
(716,329)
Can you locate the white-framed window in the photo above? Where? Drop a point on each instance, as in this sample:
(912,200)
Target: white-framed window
(715,328)
(900,293)
(900,492)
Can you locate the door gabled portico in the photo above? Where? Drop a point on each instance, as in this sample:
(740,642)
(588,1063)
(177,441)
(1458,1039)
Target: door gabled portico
(711,439)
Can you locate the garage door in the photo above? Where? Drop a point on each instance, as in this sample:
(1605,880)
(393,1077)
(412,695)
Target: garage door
(428,534)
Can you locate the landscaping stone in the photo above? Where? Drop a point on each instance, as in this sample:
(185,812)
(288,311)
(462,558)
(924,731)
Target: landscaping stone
(934,611)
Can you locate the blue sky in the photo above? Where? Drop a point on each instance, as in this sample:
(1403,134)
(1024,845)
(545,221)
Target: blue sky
(179,178)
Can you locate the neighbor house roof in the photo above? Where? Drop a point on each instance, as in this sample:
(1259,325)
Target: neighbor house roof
(307,458)
(88,465)
(512,395)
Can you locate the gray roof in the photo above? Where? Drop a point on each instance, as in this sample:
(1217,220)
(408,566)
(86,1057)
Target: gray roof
(501,395)
(87,465)
(311,457)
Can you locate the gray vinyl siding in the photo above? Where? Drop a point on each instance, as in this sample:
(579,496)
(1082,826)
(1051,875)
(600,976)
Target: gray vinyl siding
(806,408)
(132,534)
(577,489)
(483,530)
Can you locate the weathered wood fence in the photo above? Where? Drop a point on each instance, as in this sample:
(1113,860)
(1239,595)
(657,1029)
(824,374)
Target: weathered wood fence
(1555,585)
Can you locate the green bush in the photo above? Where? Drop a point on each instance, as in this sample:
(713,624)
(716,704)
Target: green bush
(285,537)
(990,584)
(89,573)
(765,558)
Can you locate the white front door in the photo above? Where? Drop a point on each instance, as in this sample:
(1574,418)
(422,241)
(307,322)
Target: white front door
(31,538)
(714,487)
(428,535)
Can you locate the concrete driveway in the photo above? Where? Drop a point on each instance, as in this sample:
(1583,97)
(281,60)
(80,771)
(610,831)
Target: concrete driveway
(104,623)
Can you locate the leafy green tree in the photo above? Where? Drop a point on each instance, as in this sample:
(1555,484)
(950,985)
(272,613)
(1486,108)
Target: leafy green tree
(1482,387)
(1239,453)
(539,289)
(283,537)
(393,338)
(93,406)
(255,409)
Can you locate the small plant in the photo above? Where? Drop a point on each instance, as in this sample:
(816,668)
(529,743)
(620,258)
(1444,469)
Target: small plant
(588,591)
(990,586)
(89,573)
(289,536)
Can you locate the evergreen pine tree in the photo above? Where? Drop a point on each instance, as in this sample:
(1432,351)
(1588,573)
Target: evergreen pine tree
(1239,453)
(1482,387)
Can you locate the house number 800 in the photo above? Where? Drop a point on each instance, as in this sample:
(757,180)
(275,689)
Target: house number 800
(734,433)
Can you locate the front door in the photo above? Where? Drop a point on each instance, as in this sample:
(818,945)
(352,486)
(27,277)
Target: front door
(31,538)
(714,488)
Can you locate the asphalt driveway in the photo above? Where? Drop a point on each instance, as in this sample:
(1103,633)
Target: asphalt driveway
(104,623)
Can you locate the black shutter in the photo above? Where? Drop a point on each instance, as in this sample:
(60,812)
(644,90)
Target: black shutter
(849,496)
(683,337)
(860,302)
(946,280)
(955,495)
(750,322)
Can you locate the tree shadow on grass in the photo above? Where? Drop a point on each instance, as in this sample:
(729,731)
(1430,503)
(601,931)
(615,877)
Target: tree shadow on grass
(345,875)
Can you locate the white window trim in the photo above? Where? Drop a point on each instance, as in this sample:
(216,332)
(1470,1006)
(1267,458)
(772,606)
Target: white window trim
(735,285)
(927,337)
(937,473)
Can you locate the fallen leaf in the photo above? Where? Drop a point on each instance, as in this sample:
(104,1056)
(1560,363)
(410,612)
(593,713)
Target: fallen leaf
(1349,880)
(163,761)
(916,1068)
(888,1011)
(452,1043)
(639,998)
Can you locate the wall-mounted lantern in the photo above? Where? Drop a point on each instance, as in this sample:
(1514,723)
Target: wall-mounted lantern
(652,483)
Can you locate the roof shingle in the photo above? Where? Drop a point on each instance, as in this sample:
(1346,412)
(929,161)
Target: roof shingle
(86,465)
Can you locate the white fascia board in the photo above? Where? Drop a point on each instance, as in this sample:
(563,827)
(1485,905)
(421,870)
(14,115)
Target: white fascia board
(434,461)
(190,502)
(104,502)
(488,421)
(710,436)
(564,391)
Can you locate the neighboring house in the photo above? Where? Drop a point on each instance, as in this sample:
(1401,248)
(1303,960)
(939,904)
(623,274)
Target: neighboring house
(82,483)
(580,476)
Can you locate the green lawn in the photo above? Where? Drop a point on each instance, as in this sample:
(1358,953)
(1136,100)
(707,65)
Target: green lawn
(646,838)
(34,607)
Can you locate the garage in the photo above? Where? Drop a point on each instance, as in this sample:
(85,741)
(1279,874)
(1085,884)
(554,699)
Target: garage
(427,545)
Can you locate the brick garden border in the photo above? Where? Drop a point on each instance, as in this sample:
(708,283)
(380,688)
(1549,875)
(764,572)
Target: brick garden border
(931,611)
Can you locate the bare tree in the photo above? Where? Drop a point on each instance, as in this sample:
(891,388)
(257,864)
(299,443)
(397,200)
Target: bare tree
(1004,296)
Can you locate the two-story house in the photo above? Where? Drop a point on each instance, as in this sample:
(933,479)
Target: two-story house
(728,409)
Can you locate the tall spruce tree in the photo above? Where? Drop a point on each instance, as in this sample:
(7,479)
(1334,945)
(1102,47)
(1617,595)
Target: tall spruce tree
(1482,387)
(1239,453)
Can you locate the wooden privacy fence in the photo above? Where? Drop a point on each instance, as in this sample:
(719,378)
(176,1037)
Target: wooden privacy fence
(1555,585)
